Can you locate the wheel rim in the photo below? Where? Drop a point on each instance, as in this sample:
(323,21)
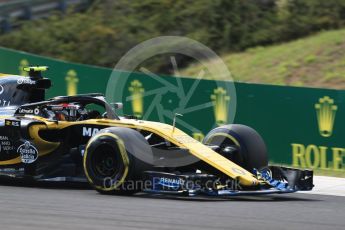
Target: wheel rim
(106,162)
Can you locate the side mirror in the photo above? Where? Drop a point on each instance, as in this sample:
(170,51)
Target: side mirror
(43,83)
(28,83)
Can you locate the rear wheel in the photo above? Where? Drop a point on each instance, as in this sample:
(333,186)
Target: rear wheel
(240,144)
(114,160)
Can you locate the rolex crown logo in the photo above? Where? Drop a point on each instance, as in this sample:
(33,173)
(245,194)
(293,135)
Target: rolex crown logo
(326,111)
(198,136)
(72,82)
(23,63)
(220,101)
(136,89)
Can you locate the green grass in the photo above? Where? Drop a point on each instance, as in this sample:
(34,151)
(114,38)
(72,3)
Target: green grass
(315,61)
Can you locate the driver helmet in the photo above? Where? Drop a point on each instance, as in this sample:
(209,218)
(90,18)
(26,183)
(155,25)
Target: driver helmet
(66,111)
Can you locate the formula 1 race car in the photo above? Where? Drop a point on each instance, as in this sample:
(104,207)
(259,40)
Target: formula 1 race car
(82,139)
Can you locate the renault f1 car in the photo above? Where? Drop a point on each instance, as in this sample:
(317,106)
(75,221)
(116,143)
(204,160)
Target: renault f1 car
(82,139)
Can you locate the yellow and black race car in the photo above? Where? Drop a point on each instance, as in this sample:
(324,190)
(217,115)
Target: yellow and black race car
(82,139)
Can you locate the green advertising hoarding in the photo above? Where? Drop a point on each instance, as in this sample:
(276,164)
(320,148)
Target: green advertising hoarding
(301,126)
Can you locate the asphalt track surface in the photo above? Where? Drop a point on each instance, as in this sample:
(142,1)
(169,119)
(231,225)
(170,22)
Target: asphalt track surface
(72,208)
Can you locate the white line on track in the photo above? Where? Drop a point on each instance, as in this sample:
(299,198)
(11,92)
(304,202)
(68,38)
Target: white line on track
(328,186)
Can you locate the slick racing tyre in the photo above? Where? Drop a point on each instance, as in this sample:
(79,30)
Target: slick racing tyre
(240,144)
(112,160)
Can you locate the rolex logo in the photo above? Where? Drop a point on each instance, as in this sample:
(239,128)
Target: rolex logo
(23,63)
(325,111)
(198,136)
(220,101)
(136,89)
(72,82)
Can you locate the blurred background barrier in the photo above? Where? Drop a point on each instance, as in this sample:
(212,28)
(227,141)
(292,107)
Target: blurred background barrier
(302,127)
(14,12)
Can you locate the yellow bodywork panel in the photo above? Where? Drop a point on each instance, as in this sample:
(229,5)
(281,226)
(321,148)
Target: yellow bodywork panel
(16,160)
(7,75)
(44,147)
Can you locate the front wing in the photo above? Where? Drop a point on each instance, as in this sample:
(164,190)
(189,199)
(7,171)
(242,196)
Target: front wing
(273,180)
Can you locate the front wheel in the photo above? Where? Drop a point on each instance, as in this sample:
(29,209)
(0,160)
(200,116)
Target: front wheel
(240,144)
(113,160)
